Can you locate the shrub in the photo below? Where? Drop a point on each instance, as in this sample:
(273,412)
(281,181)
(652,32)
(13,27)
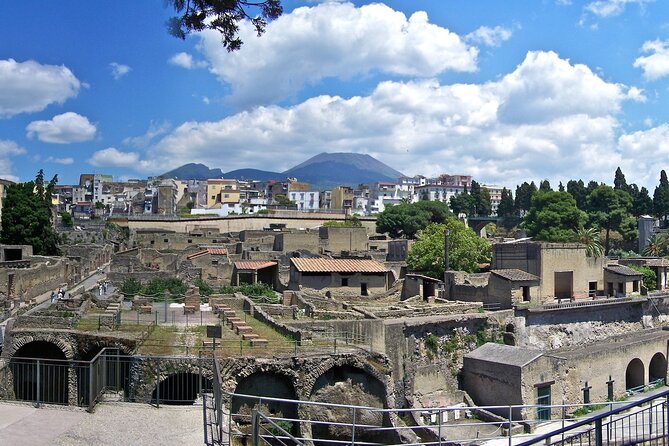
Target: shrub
(649,277)
(205,288)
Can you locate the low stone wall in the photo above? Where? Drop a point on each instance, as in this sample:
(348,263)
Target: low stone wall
(260,314)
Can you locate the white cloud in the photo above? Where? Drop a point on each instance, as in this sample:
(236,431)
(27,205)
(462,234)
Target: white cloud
(492,37)
(119,70)
(62,129)
(611,8)
(655,65)
(31,87)
(333,40)
(64,161)
(112,157)
(8,149)
(546,117)
(155,129)
(185,60)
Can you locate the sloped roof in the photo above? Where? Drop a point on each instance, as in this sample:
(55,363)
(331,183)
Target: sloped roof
(514,275)
(338,265)
(505,354)
(622,270)
(254,264)
(197,254)
(217,251)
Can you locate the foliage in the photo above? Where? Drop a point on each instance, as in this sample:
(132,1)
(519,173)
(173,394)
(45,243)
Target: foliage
(642,204)
(466,249)
(154,288)
(481,199)
(506,207)
(622,254)
(661,197)
(353,222)
(222,16)
(577,190)
(649,277)
(609,210)
(131,287)
(432,343)
(99,205)
(66,219)
(545,186)
(282,200)
(462,203)
(553,217)
(406,219)
(205,288)
(27,216)
(590,238)
(256,291)
(658,245)
(524,194)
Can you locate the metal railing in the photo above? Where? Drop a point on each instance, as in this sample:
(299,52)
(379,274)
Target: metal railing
(256,419)
(109,375)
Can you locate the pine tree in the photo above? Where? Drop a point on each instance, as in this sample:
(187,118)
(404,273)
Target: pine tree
(661,197)
(506,206)
(619,182)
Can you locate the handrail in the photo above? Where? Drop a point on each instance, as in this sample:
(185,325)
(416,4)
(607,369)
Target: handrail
(595,418)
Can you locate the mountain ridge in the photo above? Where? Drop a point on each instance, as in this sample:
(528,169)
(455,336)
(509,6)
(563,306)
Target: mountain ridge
(324,170)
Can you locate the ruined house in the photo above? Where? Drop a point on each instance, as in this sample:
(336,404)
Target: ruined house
(358,276)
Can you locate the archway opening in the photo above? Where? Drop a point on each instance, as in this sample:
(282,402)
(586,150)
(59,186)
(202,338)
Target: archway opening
(657,368)
(634,375)
(40,372)
(265,385)
(353,386)
(180,389)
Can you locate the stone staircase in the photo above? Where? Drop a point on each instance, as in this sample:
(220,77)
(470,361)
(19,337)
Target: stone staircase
(238,325)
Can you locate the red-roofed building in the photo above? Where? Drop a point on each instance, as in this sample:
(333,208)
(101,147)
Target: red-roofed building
(363,276)
(256,271)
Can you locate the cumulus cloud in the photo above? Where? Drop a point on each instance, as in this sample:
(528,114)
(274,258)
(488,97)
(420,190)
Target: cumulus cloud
(112,157)
(8,149)
(333,40)
(656,64)
(62,129)
(63,161)
(548,116)
(611,8)
(488,36)
(185,60)
(30,86)
(155,130)
(119,70)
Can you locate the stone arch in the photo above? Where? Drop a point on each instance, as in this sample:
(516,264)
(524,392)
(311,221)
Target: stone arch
(19,342)
(180,389)
(264,384)
(351,385)
(144,375)
(634,375)
(40,372)
(657,369)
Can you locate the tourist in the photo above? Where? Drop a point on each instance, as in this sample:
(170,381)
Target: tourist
(53,296)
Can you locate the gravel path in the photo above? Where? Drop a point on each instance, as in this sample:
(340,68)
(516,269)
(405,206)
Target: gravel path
(111,424)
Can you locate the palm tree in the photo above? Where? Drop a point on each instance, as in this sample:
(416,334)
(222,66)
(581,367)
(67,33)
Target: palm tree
(657,245)
(589,238)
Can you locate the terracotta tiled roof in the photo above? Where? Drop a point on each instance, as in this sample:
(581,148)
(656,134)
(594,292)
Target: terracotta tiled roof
(197,254)
(338,265)
(253,264)
(514,275)
(217,251)
(622,270)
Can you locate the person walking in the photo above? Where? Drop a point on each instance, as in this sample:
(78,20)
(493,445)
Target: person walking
(53,296)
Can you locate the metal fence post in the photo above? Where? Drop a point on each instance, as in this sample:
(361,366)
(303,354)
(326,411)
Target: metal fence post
(353,428)
(91,387)
(440,418)
(255,427)
(38,384)
(158,383)
(510,427)
(598,432)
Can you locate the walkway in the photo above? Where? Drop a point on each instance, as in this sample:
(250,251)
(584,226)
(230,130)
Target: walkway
(110,424)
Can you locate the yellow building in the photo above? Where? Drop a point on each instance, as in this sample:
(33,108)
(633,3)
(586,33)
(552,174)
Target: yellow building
(222,191)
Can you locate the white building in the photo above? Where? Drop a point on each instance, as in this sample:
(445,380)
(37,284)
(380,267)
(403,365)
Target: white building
(306,200)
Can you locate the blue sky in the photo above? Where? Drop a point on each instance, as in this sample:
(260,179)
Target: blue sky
(505,91)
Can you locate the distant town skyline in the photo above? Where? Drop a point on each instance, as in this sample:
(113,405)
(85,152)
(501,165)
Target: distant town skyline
(504,91)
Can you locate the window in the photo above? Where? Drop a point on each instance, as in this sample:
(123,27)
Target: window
(592,289)
(214,262)
(344,281)
(165,240)
(526,293)
(151,242)
(190,240)
(635,286)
